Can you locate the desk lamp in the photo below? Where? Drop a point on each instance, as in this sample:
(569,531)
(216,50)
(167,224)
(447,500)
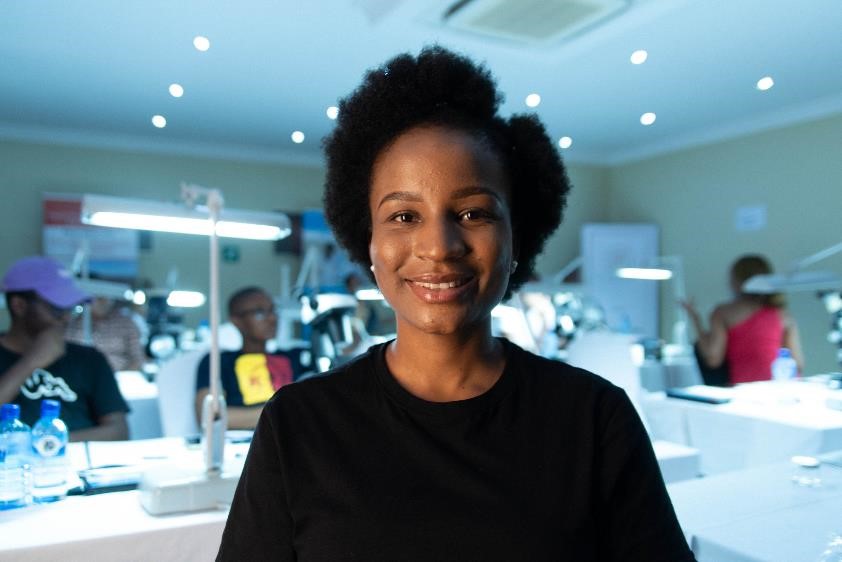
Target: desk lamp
(172,489)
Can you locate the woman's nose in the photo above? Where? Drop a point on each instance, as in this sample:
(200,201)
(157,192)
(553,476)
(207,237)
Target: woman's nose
(440,240)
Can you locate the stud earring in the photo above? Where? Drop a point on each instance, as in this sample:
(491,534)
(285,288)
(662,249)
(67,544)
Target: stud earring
(513,267)
(372,268)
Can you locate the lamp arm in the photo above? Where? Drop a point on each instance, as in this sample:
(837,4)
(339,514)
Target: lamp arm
(559,277)
(817,257)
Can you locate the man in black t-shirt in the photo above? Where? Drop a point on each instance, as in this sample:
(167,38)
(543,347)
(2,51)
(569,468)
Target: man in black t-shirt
(37,363)
(249,376)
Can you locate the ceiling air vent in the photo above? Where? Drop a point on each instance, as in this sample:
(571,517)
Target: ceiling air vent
(533,21)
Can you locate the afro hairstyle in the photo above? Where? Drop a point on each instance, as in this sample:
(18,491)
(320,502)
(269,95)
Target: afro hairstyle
(441,88)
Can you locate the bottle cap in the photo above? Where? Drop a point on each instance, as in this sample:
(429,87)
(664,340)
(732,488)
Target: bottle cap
(784,352)
(9,412)
(50,408)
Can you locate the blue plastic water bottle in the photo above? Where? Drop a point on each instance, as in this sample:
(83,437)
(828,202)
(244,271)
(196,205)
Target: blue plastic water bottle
(784,367)
(49,462)
(14,458)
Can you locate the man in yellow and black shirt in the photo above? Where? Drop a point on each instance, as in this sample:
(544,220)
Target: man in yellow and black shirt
(251,375)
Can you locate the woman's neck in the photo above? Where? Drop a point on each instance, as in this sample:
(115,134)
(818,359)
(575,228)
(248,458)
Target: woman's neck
(441,368)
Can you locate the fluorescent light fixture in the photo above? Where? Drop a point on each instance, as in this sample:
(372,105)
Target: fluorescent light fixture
(667,268)
(647,118)
(159,121)
(185,299)
(332,112)
(141,214)
(792,282)
(533,100)
(201,43)
(565,142)
(645,273)
(639,56)
(369,295)
(176,90)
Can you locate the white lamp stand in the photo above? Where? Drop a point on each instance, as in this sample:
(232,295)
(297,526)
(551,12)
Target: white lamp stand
(172,489)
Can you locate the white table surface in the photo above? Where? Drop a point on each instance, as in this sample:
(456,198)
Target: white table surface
(107,527)
(114,526)
(760,514)
(764,423)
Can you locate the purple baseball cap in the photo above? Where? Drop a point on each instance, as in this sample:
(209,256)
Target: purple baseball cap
(48,278)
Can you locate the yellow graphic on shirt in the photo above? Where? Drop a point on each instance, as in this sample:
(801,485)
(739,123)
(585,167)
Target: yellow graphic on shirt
(253,378)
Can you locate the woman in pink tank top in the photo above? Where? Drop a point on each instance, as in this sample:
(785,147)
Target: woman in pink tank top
(746,332)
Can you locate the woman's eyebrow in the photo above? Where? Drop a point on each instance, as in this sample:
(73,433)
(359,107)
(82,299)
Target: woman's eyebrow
(401,196)
(415,197)
(475,190)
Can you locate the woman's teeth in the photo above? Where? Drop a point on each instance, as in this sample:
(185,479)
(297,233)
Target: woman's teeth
(438,286)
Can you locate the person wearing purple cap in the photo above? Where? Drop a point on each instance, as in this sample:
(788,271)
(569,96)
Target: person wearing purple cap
(36,362)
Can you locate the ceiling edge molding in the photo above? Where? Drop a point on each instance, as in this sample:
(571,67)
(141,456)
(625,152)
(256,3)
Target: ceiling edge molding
(165,147)
(802,113)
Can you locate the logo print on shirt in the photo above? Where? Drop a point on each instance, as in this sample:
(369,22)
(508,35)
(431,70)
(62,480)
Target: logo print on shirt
(43,384)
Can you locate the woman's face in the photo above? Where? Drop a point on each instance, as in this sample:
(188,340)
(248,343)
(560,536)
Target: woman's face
(441,240)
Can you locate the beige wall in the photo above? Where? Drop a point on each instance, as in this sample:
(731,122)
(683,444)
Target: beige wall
(796,172)
(588,202)
(28,170)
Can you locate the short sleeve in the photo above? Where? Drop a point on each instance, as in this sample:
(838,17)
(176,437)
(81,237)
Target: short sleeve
(259,525)
(105,396)
(633,501)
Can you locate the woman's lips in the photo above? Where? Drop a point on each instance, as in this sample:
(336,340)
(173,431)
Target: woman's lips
(441,291)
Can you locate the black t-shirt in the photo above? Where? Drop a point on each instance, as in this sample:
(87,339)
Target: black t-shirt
(551,463)
(250,379)
(81,380)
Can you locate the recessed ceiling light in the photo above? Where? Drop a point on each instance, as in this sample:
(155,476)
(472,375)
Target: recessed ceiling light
(176,90)
(332,112)
(765,83)
(565,142)
(297,137)
(639,56)
(533,100)
(159,121)
(201,43)
(647,119)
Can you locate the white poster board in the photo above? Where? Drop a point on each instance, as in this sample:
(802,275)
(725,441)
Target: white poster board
(631,305)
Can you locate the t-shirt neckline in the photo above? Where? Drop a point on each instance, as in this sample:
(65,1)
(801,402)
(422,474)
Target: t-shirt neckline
(445,410)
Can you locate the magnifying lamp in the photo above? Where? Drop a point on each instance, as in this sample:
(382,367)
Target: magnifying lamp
(796,279)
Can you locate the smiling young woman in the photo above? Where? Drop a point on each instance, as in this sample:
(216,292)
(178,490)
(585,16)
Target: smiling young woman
(447,443)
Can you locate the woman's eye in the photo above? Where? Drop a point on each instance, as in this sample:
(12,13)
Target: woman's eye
(474,214)
(403,217)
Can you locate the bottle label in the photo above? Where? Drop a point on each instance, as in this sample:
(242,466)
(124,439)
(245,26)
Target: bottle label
(48,446)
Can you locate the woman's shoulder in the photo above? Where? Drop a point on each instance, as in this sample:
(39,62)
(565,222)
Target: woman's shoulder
(347,379)
(547,374)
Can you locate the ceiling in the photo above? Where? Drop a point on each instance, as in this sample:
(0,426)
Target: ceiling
(94,72)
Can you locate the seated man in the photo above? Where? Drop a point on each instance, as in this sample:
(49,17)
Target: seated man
(249,376)
(113,332)
(36,362)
